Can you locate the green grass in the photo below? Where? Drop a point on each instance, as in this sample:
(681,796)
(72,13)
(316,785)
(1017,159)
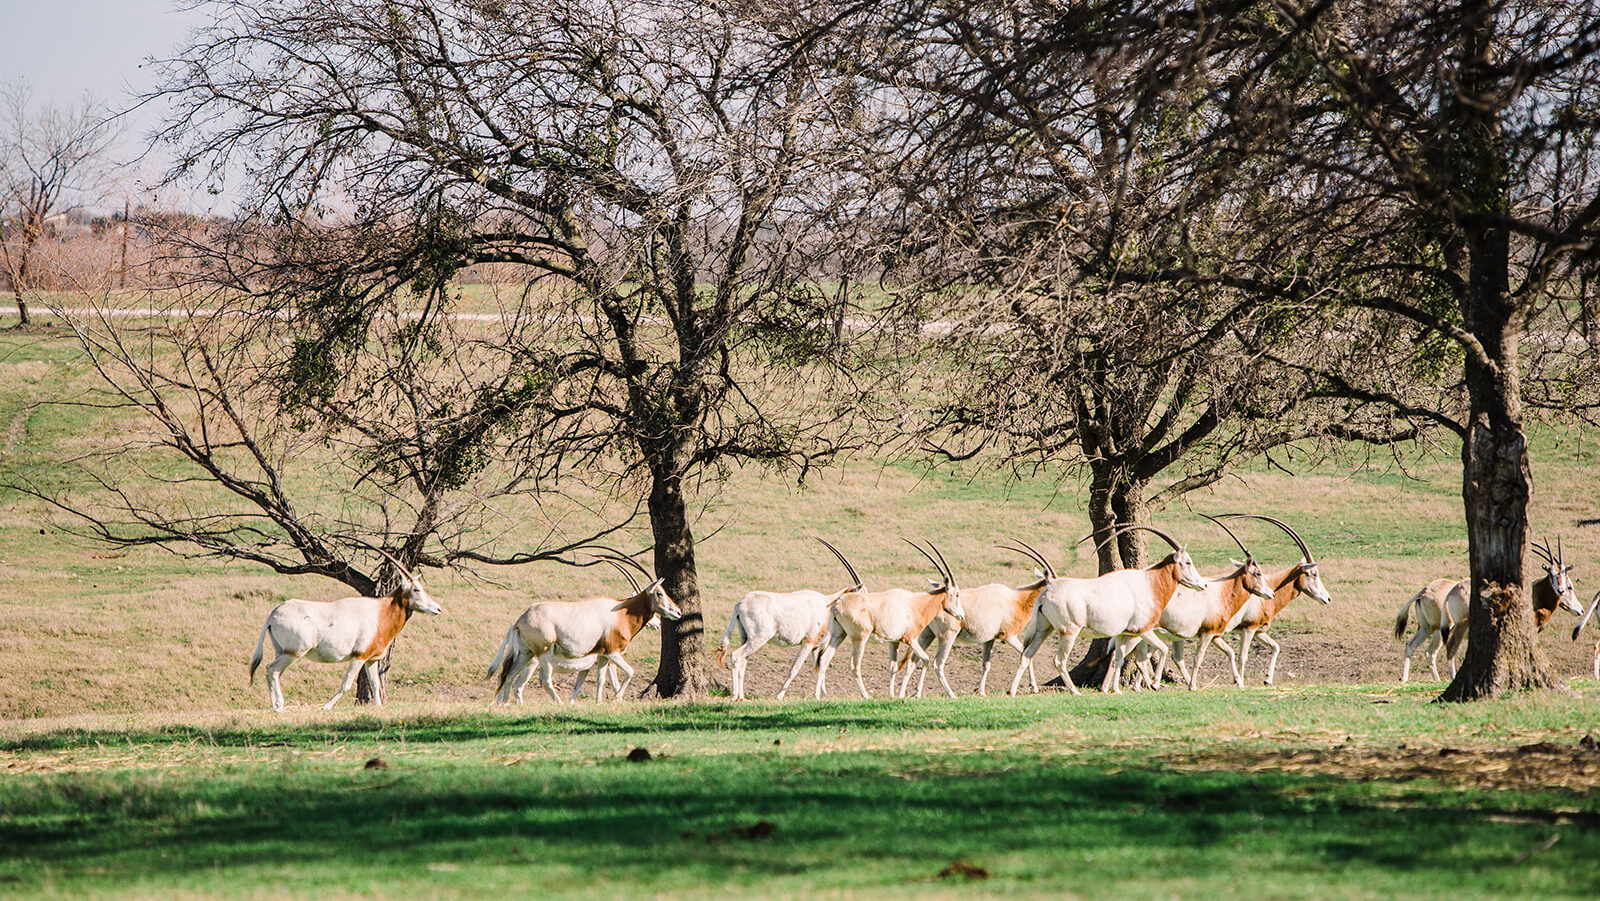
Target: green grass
(1166,794)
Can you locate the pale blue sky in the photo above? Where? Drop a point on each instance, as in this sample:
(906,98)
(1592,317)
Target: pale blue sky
(64,48)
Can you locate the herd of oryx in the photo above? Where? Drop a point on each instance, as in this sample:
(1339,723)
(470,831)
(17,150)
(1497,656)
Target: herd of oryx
(1150,612)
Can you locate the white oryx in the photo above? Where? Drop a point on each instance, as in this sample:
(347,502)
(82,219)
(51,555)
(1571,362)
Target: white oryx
(577,635)
(1432,601)
(1206,614)
(894,615)
(1253,619)
(994,612)
(354,629)
(1124,605)
(785,620)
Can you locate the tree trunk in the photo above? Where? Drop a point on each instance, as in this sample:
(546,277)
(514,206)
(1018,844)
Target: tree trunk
(1503,652)
(682,673)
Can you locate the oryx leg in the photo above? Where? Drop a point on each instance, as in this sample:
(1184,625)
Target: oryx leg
(627,671)
(1035,640)
(1113,680)
(1272,664)
(274,686)
(830,647)
(741,658)
(806,650)
(350,674)
(1206,641)
(858,655)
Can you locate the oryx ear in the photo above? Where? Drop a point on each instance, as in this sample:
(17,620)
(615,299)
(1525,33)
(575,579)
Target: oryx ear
(1233,562)
(932,584)
(1566,569)
(653,586)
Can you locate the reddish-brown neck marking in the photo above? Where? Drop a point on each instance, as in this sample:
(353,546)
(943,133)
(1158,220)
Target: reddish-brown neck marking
(632,614)
(1234,596)
(1021,610)
(392,616)
(925,605)
(1544,602)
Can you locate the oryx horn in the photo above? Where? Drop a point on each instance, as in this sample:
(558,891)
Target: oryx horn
(1224,527)
(859,586)
(1119,530)
(1280,524)
(1028,550)
(937,564)
(397,564)
(620,557)
(626,574)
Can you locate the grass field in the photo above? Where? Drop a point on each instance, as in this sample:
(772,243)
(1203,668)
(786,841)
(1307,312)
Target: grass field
(138,761)
(1325,792)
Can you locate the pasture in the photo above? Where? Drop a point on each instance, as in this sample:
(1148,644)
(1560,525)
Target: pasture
(140,763)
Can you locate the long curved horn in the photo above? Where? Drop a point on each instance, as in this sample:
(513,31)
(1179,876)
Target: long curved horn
(1280,524)
(936,564)
(1119,530)
(860,585)
(620,557)
(625,573)
(1224,527)
(1027,550)
(949,577)
(1543,552)
(397,564)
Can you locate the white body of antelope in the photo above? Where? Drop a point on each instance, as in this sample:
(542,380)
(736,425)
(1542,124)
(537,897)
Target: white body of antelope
(994,613)
(1124,605)
(357,630)
(1434,603)
(892,616)
(786,620)
(575,635)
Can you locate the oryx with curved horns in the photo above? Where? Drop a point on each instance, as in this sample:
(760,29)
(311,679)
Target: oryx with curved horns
(355,629)
(894,615)
(785,620)
(578,635)
(1124,605)
(1206,614)
(1256,615)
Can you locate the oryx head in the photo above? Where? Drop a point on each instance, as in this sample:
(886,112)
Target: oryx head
(950,590)
(1249,571)
(1558,573)
(1307,577)
(410,591)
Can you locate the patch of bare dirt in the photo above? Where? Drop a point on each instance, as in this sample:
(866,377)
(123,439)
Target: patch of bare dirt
(1542,765)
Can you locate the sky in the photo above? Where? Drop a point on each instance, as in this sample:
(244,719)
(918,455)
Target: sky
(65,48)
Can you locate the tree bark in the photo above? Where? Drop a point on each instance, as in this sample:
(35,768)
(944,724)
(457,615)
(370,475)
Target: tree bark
(1503,652)
(682,673)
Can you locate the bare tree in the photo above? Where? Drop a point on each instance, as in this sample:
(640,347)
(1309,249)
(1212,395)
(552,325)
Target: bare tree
(1451,148)
(618,154)
(52,161)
